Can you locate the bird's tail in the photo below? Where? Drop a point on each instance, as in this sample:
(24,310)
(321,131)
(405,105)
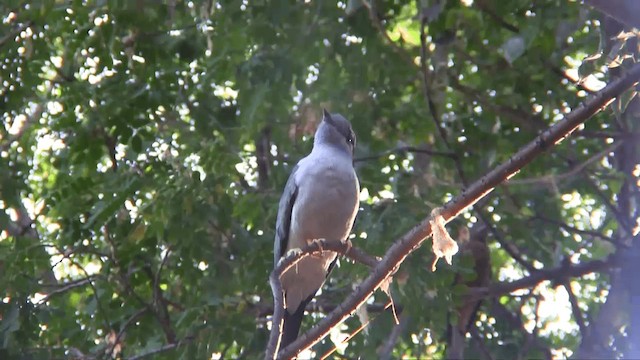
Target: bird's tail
(292,322)
(291,326)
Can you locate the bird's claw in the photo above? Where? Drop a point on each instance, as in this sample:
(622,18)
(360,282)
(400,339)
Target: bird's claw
(349,245)
(319,243)
(292,252)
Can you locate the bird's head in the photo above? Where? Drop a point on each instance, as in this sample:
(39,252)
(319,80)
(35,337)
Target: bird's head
(336,131)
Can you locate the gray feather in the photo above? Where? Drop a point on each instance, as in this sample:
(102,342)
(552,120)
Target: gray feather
(283,221)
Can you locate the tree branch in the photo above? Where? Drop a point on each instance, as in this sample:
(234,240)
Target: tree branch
(575,308)
(557,275)
(403,149)
(110,349)
(164,348)
(12,34)
(571,229)
(62,288)
(480,345)
(375,20)
(386,349)
(520,118)
(575,170)
(501,311)
(425,84)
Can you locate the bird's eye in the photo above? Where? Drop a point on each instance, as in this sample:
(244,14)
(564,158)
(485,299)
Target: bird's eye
(350,140)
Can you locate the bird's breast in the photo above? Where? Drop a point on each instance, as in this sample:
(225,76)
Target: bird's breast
(326,207)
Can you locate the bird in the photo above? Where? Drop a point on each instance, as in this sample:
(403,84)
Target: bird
(320,201)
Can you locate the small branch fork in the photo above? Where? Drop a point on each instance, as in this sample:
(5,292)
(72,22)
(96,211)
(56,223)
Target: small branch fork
(408,243)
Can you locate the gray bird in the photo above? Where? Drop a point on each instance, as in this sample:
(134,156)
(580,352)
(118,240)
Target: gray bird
(320,201)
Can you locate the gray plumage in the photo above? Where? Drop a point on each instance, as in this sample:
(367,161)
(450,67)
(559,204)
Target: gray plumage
(320,201)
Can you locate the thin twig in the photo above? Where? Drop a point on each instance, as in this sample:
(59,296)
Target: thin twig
(386,349)
(425,85)
(14,33)
(574,230)
(497,18)
(510,248)
(608,134)
(375,20)
(502,312)
(575,308)
(514,251)
(403,149)
(620,218)
(124,327)
(575,170)
(521,118)
(62,288)
(475,335)
(162,349)
(101,309)
(159,306)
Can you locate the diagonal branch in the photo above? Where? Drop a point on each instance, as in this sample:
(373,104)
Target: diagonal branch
(405,245)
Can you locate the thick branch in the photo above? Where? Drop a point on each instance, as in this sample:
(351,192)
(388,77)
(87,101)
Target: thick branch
(414,238)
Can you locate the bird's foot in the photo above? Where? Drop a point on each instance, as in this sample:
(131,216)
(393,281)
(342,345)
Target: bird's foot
(292,252)
(319,242)
(349,245)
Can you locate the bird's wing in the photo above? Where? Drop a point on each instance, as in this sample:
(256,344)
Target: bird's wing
(283,222)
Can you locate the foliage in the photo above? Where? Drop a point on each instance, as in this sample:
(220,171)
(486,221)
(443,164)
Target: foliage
(145,146)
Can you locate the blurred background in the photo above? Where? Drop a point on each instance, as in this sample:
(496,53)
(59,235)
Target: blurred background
(145,145)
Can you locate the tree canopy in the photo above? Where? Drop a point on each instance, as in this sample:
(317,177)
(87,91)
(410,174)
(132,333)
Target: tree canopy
(145,145)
